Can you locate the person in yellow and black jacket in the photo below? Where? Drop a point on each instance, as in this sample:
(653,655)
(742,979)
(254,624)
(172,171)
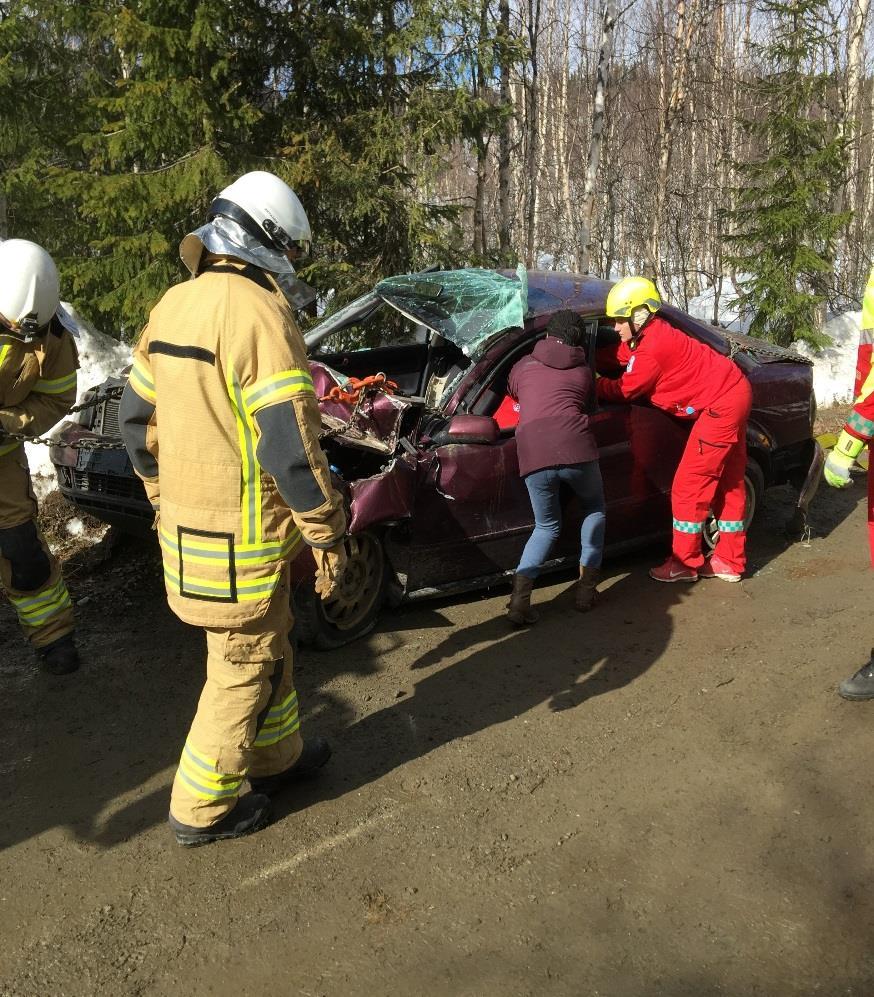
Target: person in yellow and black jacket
(222,424)
(38,363)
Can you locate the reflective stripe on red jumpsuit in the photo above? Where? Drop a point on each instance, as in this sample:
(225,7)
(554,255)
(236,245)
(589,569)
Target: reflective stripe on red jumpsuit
(689,380)
(861,421)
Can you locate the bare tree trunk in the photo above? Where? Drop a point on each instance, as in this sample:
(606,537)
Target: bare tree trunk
(683,32)
(480,238)
(532,128)
(584,259)
(504,136)
(851,120)
(4,231)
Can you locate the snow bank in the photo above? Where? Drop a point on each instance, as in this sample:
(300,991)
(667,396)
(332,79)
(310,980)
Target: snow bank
(834,367)
(99,357)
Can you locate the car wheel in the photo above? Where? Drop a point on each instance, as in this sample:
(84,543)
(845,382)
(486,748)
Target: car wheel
(353,609)
(754,481)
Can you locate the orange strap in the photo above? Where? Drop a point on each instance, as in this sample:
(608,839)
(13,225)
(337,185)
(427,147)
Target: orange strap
(351,391)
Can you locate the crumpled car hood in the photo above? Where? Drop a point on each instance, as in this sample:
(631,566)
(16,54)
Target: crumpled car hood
(376,424)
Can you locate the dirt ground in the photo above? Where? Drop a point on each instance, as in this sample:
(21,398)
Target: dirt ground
(664,797)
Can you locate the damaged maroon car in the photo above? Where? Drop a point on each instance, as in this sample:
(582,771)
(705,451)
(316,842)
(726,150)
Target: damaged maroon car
(428,467)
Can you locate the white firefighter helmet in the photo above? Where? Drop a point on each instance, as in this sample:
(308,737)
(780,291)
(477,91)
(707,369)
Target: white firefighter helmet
(267,208)
(29,289)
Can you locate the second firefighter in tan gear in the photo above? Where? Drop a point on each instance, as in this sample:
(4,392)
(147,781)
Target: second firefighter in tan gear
(221,420)
(38,363)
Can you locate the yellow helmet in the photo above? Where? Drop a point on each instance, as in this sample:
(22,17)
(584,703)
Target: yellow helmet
(631,293)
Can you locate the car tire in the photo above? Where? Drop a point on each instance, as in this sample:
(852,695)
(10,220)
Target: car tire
(754,481)
(354,609)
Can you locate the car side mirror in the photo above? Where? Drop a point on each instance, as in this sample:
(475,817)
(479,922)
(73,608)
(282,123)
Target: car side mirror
(471,429)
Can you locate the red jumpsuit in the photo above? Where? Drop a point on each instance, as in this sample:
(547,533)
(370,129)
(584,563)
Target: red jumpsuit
(688,379)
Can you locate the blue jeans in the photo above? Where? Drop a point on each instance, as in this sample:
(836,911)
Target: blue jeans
(543,487)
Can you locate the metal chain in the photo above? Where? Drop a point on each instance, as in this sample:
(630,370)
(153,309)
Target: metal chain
(95,444)
(329,434)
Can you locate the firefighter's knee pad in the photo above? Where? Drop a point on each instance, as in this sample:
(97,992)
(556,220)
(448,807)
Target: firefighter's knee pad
(31,567)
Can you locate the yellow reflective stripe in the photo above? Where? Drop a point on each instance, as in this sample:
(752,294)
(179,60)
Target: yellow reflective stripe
(142,383)
(251,509)
(277,732)
(202,778)
(55,386)
(208,552)
(278,388)
(34,610)
(282,711)
(247,591)
(7,447)
(4,353)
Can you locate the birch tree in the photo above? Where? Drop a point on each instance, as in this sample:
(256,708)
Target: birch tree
(598,106)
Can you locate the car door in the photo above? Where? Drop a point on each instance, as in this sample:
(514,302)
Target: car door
(472,513)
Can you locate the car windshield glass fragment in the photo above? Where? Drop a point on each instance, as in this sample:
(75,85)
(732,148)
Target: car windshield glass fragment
(467,307)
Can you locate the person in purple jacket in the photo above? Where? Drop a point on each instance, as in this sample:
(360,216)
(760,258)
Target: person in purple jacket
(554,443)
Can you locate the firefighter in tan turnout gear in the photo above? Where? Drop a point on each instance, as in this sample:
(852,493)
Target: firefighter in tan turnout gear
(38,363)
(221,421)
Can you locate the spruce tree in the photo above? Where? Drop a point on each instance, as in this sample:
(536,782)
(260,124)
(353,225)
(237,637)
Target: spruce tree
(159,103)
(43,87)
(179,111)
(785,233)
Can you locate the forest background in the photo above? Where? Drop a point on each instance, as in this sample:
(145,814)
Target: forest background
(723,145)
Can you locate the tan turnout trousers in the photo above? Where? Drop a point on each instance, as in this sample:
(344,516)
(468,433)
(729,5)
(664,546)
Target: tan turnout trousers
(247,719)
(29,573)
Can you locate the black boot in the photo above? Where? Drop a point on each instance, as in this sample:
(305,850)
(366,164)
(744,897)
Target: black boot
(60,657)
(861,685)
(250,814)
(316,751)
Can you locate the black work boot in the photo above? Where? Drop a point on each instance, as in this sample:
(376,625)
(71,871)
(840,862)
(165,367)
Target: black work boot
(251,813)
(60,657)
(860,685)
(316,751)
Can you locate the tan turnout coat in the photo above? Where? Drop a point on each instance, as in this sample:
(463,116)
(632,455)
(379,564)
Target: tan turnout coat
(218,350)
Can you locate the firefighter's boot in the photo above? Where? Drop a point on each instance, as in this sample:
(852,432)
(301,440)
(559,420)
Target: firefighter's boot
(519,611)
(860,685)
(251,813)
(586,593)
(60,657)
(316,751)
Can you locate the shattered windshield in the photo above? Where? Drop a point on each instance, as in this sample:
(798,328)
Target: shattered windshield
(467,307)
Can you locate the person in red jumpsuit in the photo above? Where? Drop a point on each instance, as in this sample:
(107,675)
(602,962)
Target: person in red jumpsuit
(689,380)
(858,430)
